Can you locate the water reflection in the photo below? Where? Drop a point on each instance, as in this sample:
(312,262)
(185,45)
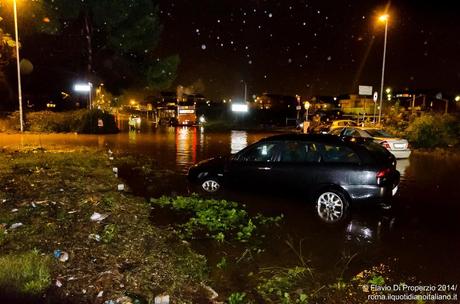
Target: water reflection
(186,144)
(402,165)
(238,141)
(132,136)
(368,231)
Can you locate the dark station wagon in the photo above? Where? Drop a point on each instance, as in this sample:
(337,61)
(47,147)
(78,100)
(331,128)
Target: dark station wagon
(331,171)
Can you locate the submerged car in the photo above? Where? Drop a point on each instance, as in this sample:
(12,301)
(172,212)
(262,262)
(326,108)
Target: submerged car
(399,147)
(329,170)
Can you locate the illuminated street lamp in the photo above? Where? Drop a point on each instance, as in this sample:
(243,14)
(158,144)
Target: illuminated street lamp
(240,107)
(457,98)
(306,106)
(85,88)
(389,95)
(21,117)
(383,18)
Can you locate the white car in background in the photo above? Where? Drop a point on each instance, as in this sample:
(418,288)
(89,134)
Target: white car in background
(399,147)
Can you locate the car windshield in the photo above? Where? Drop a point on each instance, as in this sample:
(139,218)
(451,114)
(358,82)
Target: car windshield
(378,133)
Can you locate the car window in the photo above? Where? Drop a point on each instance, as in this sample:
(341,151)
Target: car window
(336,131)
(262,152)
(351,132)
(378,133)
(338,154)
(300,152)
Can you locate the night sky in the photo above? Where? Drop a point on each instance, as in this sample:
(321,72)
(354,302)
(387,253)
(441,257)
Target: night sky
(311,47)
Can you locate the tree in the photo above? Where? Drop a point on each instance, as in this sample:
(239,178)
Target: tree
(7,49)
(118,34)
(7,55)
(161,74)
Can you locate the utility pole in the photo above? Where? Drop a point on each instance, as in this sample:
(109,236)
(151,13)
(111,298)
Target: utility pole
(383,18)
(18,63)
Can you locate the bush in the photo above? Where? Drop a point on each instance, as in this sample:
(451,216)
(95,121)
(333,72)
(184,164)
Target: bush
(431,131)
(81,121)
(25,274)
(89,123)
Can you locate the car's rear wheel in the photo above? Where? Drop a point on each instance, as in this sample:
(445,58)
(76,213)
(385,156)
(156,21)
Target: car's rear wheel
(210,185)
(331,206)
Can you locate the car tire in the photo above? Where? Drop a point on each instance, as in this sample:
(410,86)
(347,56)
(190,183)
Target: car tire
(331,206)
(210,185)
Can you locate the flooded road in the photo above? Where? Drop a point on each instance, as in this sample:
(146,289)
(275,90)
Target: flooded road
(420,236)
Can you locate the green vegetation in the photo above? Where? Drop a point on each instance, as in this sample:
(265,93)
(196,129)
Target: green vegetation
(218,219)
(80,121)
(27,273)
(237,298)
(431,131)
(287,286)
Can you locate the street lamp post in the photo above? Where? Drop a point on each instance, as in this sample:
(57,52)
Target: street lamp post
(385,19)
(21,118)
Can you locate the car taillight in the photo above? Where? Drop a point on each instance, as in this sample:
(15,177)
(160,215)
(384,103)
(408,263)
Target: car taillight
(383,172)
(386,145)
(382,175)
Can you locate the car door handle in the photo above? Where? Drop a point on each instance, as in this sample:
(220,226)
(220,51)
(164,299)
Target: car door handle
(264,168)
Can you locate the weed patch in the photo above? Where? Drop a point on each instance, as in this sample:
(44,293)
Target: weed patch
(220,220)
(26,274)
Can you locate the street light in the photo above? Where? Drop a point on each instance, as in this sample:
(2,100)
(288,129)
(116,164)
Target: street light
(383,18)
(85,88)
(306,106)
(21,117)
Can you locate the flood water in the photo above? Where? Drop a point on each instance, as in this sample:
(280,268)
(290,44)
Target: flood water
(420,236)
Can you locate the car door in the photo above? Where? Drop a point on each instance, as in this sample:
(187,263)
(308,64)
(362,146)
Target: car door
(340,166)
(251,168)
(297,167)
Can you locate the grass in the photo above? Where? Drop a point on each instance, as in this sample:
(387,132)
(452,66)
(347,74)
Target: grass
(27,273)
(53,194)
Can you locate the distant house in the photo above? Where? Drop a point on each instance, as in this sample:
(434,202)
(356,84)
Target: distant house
(356,104)
(275,102)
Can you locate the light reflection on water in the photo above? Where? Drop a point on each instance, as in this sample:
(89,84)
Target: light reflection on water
(239,141)
(186,146)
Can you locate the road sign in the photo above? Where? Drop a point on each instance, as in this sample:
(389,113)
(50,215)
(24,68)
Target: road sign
(376,96)
(365,90)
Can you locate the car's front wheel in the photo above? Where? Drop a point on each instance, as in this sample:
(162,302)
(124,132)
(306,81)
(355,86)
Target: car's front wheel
(331,206)
(210,185)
